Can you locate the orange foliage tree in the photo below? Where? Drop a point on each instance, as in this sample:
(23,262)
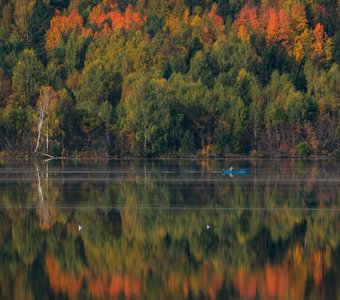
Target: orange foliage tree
(322,45)
(278,28)
(60,25)
(216,21)
(105,16)
(105,13)
(208,27)
(272,29)
(247,21)
(285,26)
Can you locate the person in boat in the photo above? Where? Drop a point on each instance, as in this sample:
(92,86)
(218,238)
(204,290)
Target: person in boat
(231,168)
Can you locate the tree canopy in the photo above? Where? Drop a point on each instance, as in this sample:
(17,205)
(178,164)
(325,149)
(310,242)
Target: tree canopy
(151,78)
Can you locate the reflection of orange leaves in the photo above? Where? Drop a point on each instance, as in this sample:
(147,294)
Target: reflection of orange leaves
(123,284)
(216,285)
(317,267)
(97,287)
(270,286)
(246,284)
(213,279)
(209,281)
(283,280)
(102,287)
(130,287)
(173,281)
(135,286)
(62,282)
(297,255)
(116,285)
(249,290)
(275,281)
(205,273)
(186,288)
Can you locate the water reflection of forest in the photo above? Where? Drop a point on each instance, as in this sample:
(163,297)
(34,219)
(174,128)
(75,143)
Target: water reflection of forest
(273,183)
(161,254)
(130,250)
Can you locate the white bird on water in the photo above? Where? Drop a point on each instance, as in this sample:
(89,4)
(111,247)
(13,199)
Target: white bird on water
(208,226)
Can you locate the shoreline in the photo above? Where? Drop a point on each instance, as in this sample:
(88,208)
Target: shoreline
(86,156)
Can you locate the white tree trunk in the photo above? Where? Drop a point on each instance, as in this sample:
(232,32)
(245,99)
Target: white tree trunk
(46,96)
(41,195)
(41,120)
(47,140)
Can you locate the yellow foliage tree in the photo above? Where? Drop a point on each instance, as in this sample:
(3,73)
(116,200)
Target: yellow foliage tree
(322,45)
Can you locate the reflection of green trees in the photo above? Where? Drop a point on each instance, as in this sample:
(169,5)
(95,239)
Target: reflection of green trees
(157,246)
(152,245)
(129,245)
(26,236)
(274,183)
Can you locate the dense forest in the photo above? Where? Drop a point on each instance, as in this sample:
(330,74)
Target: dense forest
(169,78)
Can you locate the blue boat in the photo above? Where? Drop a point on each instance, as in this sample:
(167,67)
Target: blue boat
(236,171)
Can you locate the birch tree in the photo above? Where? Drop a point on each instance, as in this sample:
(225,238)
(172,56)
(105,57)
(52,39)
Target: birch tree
(44,105)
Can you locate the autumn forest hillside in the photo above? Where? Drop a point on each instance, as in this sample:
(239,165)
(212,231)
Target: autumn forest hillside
(170,78)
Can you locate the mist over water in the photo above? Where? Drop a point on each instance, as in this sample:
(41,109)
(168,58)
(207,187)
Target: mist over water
(173,229)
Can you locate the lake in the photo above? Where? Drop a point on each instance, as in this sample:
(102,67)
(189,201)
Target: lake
(169,229)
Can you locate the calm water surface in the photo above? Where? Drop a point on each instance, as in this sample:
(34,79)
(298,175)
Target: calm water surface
(172,229)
